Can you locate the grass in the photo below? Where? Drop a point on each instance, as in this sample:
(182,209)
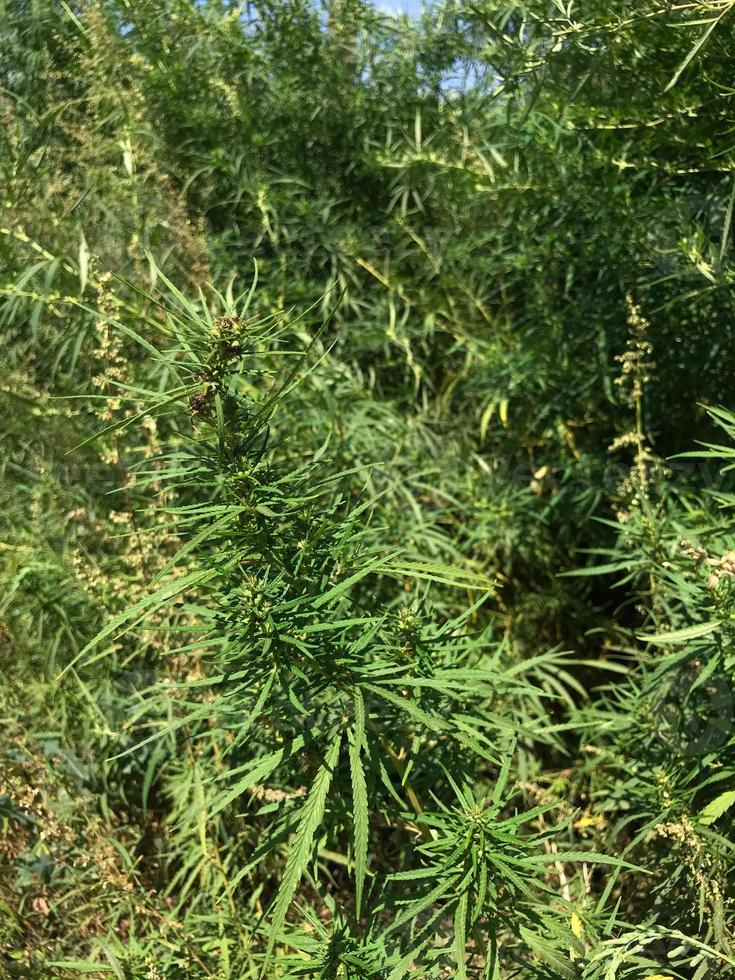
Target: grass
(366,528)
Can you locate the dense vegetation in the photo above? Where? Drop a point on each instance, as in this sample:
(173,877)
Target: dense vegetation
(367,525)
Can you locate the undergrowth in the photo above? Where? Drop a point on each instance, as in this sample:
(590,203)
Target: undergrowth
(366,516)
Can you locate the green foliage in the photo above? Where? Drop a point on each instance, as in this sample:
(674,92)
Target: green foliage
(367,584)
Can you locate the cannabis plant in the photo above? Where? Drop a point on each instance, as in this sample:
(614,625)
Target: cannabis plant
(349,719)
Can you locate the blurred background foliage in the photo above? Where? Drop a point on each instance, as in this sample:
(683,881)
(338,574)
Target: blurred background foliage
(503,232)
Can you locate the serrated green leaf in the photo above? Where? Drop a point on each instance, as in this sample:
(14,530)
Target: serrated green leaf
(682,635)
(714,810)
(360,813)
(302,845)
